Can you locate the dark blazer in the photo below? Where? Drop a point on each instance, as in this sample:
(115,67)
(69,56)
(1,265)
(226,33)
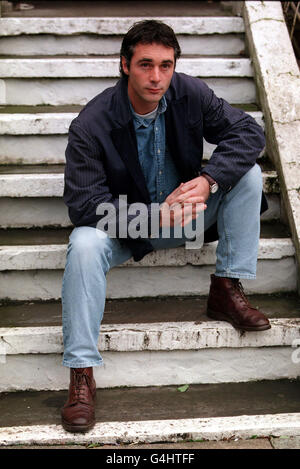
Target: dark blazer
(102,159)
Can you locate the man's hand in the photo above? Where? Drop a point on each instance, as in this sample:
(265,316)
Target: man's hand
(197,187)
(185,202)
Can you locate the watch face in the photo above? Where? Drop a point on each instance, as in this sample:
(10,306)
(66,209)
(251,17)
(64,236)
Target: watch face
(214,188)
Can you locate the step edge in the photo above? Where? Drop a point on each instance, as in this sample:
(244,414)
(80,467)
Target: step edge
(143,337)
(151,431)
(181,25)
(18,257)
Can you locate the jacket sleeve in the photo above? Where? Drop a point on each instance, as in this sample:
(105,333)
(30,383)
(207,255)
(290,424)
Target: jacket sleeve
(238,137)
(86,187)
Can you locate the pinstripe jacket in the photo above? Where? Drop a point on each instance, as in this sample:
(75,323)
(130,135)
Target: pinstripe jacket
(102,160)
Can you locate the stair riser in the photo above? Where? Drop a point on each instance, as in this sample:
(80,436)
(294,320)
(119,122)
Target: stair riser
(33,149)
(137,282)
(27,372)
(231,44)
(58,123)
(46,149)
(29,213)
(56,92)
(109,67)
(45,212)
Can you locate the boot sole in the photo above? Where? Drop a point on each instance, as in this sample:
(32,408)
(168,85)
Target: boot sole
(77,428)
(222,317)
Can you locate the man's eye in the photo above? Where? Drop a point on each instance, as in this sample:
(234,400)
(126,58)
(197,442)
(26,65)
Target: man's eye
(145,65)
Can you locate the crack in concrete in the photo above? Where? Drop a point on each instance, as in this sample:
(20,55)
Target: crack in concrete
(294,189)
(285,123)
(289,73)
(5,341)
(3,349)
(266,19)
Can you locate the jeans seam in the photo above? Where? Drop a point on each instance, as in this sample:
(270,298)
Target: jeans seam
(228,244)
(235,275)
(85,364)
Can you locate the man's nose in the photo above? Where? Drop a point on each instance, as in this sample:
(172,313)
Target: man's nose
(155,74)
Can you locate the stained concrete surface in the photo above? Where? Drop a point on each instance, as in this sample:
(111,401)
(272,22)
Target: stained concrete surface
(150,310)
(44,236)
(158,403)
(286,442)
(283,442)
(76,108)
(43,109)
(119,8)
(257,443)
(32,169)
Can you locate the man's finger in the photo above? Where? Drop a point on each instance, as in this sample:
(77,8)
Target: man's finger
(191,197)
(188,185)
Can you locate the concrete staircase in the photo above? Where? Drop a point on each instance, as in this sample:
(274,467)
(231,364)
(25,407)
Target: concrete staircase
(155,331)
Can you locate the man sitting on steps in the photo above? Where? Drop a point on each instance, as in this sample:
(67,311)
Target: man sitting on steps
(143,139)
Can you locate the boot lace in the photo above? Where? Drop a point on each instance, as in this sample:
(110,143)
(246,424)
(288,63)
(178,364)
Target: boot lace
(240,293)
(81,382)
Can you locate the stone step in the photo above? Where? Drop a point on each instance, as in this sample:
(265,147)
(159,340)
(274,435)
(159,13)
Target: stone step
(169,366)
(21,212)
(92,44)
(273,275)
(50,184)
(119,25)
(108,67)
(152,337)
(48,123)
(34,271)
(78,91)
(203,412)
(52,256)
(36,146)
(162,330)
(35,200)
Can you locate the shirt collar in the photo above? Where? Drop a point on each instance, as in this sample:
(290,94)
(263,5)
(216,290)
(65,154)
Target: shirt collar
(139,121)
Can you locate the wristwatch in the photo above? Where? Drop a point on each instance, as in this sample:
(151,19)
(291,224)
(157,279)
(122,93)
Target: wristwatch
(213,185)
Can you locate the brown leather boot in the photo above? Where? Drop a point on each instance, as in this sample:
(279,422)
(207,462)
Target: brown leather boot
(78,414)
(227,302)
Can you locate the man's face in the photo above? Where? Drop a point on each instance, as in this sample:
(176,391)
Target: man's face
(149,75)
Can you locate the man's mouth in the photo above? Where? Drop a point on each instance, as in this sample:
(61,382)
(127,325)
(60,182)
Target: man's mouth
(154,90)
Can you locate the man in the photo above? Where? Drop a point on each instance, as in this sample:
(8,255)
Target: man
(143,138)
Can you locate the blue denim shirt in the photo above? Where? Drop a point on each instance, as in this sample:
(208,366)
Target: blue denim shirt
(157,165)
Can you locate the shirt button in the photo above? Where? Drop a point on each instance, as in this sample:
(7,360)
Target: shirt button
(160,172)
(160,193)
(158,151)
(156,128)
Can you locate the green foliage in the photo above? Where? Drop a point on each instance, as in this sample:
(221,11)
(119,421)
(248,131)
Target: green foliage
(183,388)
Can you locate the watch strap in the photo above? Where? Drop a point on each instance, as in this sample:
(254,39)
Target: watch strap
(210,180)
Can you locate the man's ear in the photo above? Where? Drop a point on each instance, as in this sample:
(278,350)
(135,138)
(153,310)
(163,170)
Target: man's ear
(124,65)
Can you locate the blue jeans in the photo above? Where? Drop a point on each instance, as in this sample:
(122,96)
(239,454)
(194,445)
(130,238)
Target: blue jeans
(91,254)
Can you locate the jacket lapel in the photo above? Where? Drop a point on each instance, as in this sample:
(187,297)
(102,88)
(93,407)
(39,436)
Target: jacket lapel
(124,139)
(176,135)
(125,142)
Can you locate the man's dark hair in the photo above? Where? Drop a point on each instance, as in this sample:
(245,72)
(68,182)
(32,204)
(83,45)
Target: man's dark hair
(147,32)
